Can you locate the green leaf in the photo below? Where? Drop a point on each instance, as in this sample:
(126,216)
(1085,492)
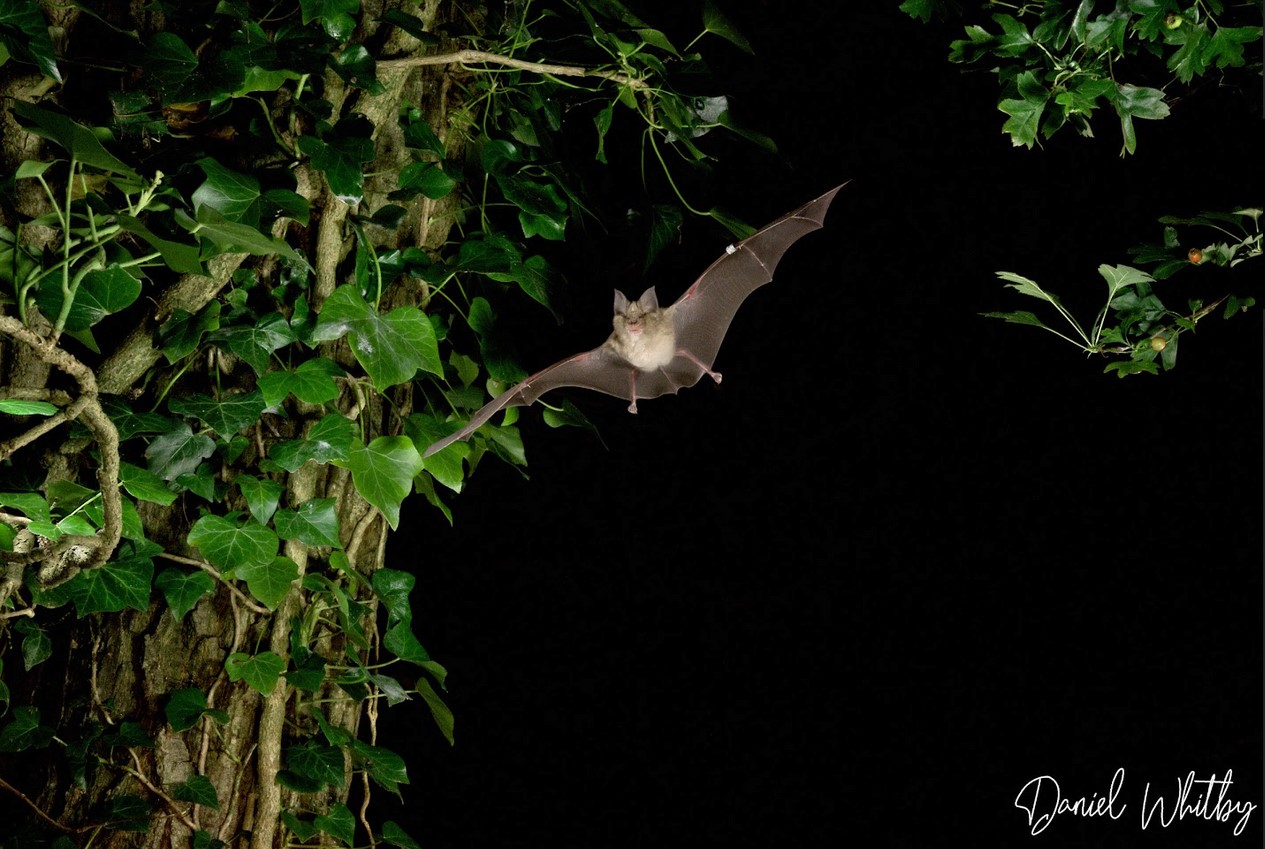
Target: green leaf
(262,496)
(439,711)
(118,584)
(198,790)
(235,196)
(317,762)
(260,671)
(390,347)
(180,257)
(715,22)
(335,16)
(24,731)
(424,178)
(185,707)
(183,590)
(15,407)
(226,416)
(269,582)
(1122,276)
(1225,49)
(24,34)
(178,452)
(255,343)
(29,504)
(305,830)
(36,646)
(312,382)
(358,68)
(100,293)
(80,141)
(341,155)
(1140,102)
(232,547)
(183,331)
(145,485)
(231,237)
(1024,121)
(339,824)
(329,441)
(308,672)
(396,836)
(314,523)
(384,766)
(383,472)
(1189,62)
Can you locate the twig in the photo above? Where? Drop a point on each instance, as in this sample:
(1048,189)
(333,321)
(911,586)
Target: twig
(34,807)
(467,57)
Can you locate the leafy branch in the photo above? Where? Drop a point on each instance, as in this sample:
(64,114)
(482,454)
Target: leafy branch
(1142,327)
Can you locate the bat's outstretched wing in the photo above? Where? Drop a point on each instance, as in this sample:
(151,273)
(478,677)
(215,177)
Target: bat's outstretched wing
(702,315)
(600,369)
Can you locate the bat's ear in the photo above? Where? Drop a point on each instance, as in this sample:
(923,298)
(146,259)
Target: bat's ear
(621,302)
(648,300)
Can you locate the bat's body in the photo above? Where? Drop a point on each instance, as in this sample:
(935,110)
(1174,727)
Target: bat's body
(655,350)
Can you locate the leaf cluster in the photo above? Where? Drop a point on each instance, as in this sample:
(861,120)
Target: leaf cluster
(1059,61)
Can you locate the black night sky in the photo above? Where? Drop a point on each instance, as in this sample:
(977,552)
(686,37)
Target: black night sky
(905,559)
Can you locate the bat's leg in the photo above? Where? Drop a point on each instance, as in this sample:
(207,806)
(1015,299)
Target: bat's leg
(632,391)
(714,375)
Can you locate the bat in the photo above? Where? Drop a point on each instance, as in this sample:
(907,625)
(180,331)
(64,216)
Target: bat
(655,350)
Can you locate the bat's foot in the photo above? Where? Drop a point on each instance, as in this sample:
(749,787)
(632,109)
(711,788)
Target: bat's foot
(715,375)
(632,408)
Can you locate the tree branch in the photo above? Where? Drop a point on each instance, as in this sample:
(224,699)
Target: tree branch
(468,57)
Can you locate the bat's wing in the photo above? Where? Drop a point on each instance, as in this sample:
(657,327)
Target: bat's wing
(702,315)
(600,369)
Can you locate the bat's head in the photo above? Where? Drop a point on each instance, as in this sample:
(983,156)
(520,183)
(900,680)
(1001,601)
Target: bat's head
(648,302)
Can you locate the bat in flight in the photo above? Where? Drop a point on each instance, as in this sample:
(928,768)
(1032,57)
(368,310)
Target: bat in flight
(657,350)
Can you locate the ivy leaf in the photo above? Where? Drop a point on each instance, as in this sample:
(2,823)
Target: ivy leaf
(198,790)
(396,836)
(390,347)
(260,671)
(186,706)
(329,441)
(183,331)
(178,452)
(269,582)
(145,485)
(317,762)
(308,672)
(180,257)
(358,68)
(439,711)
(232,237)
(384,766)
(183,590)
(341,155)
(227,416)
(715,22)
(312,382)
(232,547)
(383,472)
(262,496)
(118,584)
(79,141)
(424,178)
(36,646)
(338,823)
(234,195)
(24,731)
(24,34)
(100,293)
(314,523)
(255,343)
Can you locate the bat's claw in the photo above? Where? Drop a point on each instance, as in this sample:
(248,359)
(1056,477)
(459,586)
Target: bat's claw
(632,408)
(716,376)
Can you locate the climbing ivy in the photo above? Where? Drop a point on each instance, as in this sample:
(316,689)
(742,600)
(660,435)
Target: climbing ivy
(250,318)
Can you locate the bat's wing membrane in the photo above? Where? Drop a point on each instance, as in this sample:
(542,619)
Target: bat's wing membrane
(600,369)
(702,315)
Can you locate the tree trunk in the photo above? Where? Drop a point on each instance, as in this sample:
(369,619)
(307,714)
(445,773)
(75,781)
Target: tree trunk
(111,677)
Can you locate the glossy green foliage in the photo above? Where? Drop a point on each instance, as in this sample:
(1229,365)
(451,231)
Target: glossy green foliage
(1059,61)
(1134,327)
(219,144)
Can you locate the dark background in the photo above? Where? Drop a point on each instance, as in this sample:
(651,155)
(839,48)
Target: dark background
(906,558)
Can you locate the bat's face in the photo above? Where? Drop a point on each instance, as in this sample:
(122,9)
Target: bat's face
(630,315)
